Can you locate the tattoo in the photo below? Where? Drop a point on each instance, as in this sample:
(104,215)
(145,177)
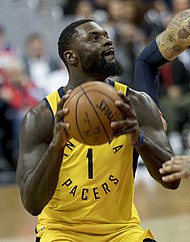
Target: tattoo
(176,38)
(183,33)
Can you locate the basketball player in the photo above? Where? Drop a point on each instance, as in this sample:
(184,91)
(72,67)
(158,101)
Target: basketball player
(165,48)
(85,193)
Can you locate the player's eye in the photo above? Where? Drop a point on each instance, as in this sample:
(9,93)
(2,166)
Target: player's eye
(107,36)
(94,37)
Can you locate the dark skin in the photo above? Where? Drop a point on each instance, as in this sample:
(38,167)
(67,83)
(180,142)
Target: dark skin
(42,142)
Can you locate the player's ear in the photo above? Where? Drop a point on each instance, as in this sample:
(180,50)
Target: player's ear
(70,57)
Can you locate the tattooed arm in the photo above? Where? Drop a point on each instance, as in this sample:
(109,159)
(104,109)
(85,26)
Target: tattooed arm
(176,38)
(167,46)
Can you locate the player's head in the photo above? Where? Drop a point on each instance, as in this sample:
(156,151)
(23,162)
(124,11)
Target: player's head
(66,36)
(86,44)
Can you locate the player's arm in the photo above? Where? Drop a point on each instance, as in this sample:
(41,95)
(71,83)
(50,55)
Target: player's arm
(142,115)
(155,148)
(176,38)
(147,65)
(167,46)
(40,156)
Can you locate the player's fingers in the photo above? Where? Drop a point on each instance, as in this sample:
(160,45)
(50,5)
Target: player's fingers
(167,163)
(124,97)
(126,100)
(176,160)
(124,127)
(60,114)
(126,109)
(172,177)
(117,133)
(180,158)
(62,101)
(169,169)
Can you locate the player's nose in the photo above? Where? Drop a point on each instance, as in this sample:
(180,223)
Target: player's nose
(107,41)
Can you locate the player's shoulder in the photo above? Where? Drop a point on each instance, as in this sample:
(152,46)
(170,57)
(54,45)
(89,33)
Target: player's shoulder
(38,111)
(37,118)
(145,108)
(143,103)
(140,97)
(136,97)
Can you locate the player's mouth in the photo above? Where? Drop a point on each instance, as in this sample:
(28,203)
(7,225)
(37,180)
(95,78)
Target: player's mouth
(108,52)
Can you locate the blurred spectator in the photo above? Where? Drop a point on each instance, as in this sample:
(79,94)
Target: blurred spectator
(180,5)
(84,9)
(124,29)
(100,4)
(38,62)
(156,18)
(6,129)
(115,11)
(69,7)
(175,99)
(4,44)
(7,51)
(57,79)
(130,42)
(133,12)
(18,92)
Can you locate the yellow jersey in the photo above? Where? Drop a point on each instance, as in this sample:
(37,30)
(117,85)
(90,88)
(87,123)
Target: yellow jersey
(93,200)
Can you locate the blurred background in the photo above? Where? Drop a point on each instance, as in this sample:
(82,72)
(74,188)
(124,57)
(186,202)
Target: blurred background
(30,69)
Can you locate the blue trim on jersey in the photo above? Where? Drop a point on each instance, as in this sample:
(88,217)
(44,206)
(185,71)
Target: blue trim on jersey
(61,92)
(127,91)
(111,82)
(48,105)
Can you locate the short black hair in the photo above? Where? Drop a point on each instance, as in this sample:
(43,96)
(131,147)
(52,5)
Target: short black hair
(66,35)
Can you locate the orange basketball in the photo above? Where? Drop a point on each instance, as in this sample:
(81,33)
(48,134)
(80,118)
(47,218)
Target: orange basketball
(91,111)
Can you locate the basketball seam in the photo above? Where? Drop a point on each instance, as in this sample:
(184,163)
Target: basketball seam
(86,94)
(70,99)
(76,116)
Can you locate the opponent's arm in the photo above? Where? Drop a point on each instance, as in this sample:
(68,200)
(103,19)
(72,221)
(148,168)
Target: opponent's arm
(147,65)
(167,46)
(40,156)
(176,38)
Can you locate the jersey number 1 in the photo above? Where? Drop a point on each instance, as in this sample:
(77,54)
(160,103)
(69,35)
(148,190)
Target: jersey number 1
(90,164)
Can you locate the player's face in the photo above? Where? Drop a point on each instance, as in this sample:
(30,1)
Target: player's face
(95,50)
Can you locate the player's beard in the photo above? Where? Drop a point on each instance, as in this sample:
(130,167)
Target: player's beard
(94,64)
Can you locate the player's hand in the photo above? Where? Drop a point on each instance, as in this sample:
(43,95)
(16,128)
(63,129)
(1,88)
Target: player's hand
(176,168)
(129,125)
(60,133)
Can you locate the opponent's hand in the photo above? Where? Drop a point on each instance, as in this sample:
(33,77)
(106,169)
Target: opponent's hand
(129,125)
(176,168)
(60,133)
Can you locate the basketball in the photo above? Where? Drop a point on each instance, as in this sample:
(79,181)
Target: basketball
(91,111)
